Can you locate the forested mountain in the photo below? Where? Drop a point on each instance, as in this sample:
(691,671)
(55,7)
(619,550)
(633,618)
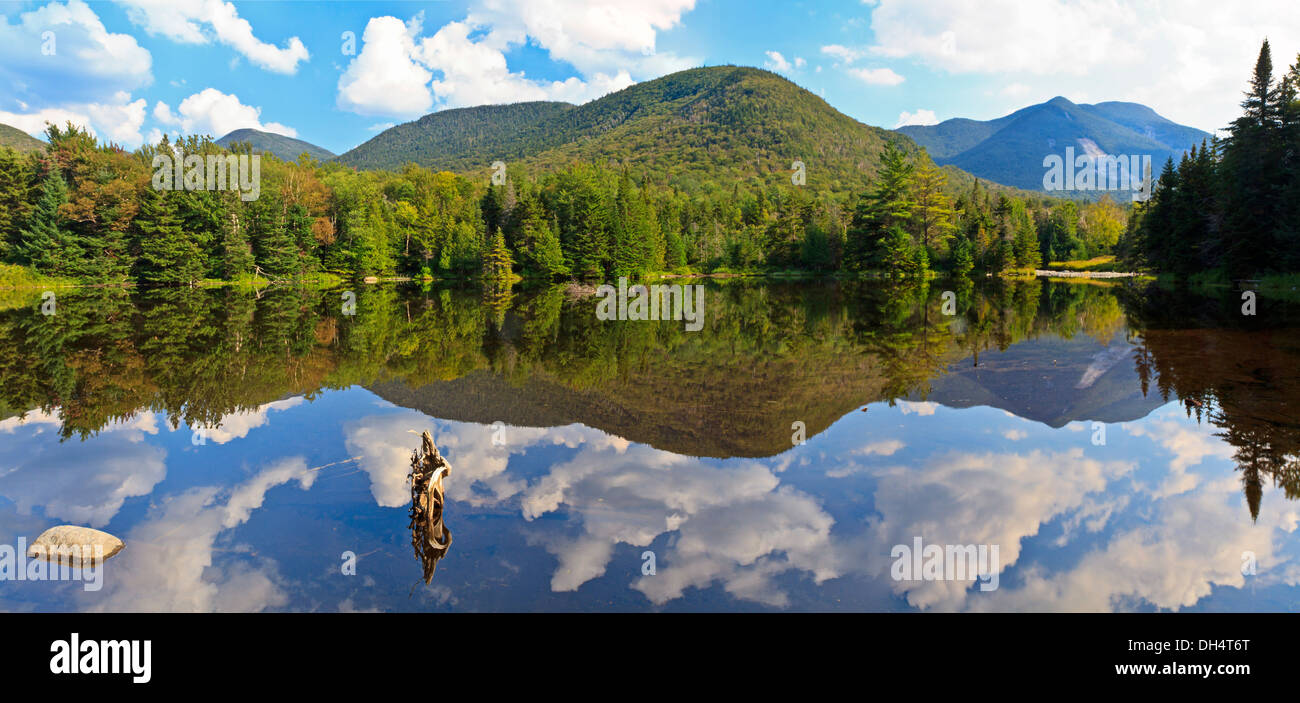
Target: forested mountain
(1010,149)
(705,127)
(444,140)
(19,140)
(285,148)
(687,173)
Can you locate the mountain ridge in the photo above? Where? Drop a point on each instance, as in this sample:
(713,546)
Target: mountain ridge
(1010,149)
(713,125)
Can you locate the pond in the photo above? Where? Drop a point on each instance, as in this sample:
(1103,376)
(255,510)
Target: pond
(827,446)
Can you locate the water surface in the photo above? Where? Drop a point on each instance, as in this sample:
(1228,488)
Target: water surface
(1124,447)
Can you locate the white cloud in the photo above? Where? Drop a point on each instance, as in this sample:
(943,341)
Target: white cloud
(1189,60)
(876,76)
(776,62)
(217,114)
(1189,544)
(194,21)
(595,36)
(1016,90)
(843,53)
(169,564)
(118,121)
(237,425)
(968,498)
(922,408)
(81,482)
(385,78)
(62,53)
(920,117)
(735,525)
(400,73)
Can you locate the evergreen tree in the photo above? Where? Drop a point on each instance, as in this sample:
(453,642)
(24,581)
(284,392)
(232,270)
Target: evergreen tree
(498,265)
(45,242)
(871,238)
(168,254)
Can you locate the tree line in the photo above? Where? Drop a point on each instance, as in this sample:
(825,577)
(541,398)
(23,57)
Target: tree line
(89,211)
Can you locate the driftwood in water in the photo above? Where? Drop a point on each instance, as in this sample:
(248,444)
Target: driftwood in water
(429,537)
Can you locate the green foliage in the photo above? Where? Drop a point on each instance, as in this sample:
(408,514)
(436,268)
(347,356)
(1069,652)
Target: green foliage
(1232,205)
(45,242)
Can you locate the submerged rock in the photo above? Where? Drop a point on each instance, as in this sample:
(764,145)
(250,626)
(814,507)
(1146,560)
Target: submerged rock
(69,543)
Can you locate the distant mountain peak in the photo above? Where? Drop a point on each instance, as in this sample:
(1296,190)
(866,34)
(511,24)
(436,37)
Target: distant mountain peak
(284,148)
(1010,150)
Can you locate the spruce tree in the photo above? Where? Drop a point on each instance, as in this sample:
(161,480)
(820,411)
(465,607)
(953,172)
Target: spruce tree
(168,255)
(45,242)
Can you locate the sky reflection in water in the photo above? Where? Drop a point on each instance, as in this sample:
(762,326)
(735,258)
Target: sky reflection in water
(999,450)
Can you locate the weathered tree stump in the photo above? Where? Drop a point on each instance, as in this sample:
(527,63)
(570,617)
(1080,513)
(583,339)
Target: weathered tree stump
(430,538)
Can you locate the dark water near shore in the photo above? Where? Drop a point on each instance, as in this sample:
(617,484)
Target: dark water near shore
(1124,447)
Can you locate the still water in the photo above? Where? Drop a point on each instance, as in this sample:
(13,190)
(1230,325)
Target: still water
(1110,447)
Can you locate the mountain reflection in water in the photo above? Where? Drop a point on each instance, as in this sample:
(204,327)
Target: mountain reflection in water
(182,420)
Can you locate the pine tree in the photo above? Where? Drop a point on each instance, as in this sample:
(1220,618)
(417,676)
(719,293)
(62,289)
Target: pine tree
(274,250)
(45,242)
(168,255)
(889,205)
(1252,166)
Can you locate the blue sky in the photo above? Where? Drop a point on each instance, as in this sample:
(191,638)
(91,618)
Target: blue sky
(136,69)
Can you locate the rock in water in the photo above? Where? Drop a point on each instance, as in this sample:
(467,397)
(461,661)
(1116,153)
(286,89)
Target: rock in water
(69,543)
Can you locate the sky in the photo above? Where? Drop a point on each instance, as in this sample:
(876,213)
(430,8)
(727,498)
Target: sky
(337,72)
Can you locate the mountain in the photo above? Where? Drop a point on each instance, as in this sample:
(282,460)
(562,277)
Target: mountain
(1053,380)
(444,139)
(284,148)
(1010,150)
(720,125)
(19,140)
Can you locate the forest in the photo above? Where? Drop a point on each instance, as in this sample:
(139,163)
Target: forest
(87,211)
(1230,209)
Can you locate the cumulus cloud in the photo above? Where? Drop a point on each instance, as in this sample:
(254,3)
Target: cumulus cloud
(119,120)
(1192,543)
(62,53)
(969,498)
(595,36)
(200,21)
(842,53)
(217,114)
(385,78)
(384,443)
(80,482)
(401,73)
(736,525)
(169,565)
